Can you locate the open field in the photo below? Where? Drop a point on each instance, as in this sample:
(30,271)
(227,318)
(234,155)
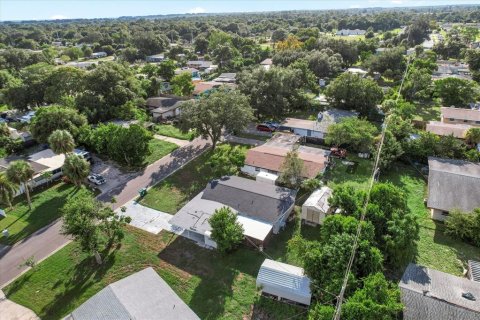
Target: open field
(46,204)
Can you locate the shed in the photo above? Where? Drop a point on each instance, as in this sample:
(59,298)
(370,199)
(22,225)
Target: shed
(266,177)
(316,207)
(284,281)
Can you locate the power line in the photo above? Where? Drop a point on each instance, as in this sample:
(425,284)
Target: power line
(375,169)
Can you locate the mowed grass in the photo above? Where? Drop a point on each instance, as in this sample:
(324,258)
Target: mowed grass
(434,248)
(46,205)
(215,286)
(174,192)
(169,130)
(158,150)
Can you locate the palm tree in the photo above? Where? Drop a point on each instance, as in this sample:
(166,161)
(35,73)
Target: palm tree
(76,168)
(61,141)
(8,189)
(20,172)
(473,135)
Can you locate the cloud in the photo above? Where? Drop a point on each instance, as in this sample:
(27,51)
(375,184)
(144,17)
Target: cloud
(197,10)
(58,17)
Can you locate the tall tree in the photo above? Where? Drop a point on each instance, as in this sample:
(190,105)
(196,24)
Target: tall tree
(227,232)
(47,120)
(291,170)
(20,172)
(182,84)
(456,92)
(166,69)
(76,168)
(224,109)
(61,141)
(358,134)
(8,189)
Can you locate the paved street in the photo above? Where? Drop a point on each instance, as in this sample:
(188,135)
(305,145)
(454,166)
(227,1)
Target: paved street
(44,242)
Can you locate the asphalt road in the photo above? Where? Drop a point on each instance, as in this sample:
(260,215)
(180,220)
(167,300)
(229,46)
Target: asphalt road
(48,240)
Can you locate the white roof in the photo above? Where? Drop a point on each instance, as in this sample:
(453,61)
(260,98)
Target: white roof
(254,228)
(266,175)
(357,70)
(48,158)
(284,277)
(319,199)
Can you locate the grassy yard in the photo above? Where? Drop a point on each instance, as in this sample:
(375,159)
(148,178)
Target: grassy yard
(159,149)
(434,249)
(172,193)
(215,286)
(46,204)
(169,130)
(427,112)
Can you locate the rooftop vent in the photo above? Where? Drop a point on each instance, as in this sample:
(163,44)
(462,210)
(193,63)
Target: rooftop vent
(469,296)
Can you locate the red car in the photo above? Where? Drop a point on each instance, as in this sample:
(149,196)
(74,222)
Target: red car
(264,127)
(338,152)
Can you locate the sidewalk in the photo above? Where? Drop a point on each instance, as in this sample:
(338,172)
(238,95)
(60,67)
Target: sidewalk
(178,142)
(10,310)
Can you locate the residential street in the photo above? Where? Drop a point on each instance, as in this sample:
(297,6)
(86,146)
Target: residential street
(46,241)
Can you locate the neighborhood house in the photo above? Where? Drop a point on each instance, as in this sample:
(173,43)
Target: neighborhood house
(155,58)
(452,184)
(97,55)
(284,282)
(455,121)
(226,78)
(261,209)
(429,294)
(164,107)
(142,295)
(348,32)
(270,157)
(316,207)
(199,64)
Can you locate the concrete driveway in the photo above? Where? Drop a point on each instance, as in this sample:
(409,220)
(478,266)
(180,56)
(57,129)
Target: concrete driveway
(10,310)
(112,174)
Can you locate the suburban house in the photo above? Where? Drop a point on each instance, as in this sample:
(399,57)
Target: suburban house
(284,282)
(316,207)
(25,136)
(267,63)
(226,78)
(429,294)
(164,107)
(97,55)
(155,58)
(199,64)
(348,32)
(261,208)
(455,121)
(81,65)
(205,87)
(270,156)
(360,72)
(451,69)
(142,295)
(313,130)
(452,184)
(194,72)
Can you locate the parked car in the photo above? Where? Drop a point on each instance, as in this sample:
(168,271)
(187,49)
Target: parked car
(96,179)
(338,152)
(272,124)
(265,127)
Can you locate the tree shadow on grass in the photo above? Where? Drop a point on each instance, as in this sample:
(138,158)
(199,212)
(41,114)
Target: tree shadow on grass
(85,274)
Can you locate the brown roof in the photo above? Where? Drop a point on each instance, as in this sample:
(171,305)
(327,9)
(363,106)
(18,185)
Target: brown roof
(461,113)
(272,158)
(446,129)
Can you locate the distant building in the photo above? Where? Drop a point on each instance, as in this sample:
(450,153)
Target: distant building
(205,87)
(284,282)
(357,71)
(97,55)
(267,63)
(348,32)
(226,78)
(81,65)
(142,295)
(155,58)
(451,69)
(199,64)
(270,156)
(455,121)
(194,72)
(428,294)
(452,184)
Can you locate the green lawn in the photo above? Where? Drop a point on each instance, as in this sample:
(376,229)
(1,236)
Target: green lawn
(172,193)
(426,112)
(159,149)
(169,130)
(46,204)
(215,286)
(434,249)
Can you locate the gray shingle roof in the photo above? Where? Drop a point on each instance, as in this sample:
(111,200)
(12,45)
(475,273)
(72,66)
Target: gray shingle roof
(430,294)
(453,184)
(142,295)
(250,198)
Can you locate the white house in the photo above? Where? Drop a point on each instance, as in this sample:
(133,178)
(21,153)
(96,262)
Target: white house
(284,282)
(98,55)
(316,207)
(155,58)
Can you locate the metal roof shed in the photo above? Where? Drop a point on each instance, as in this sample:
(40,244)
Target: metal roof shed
(284,281)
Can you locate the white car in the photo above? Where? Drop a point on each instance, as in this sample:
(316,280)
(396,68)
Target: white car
(96,179)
